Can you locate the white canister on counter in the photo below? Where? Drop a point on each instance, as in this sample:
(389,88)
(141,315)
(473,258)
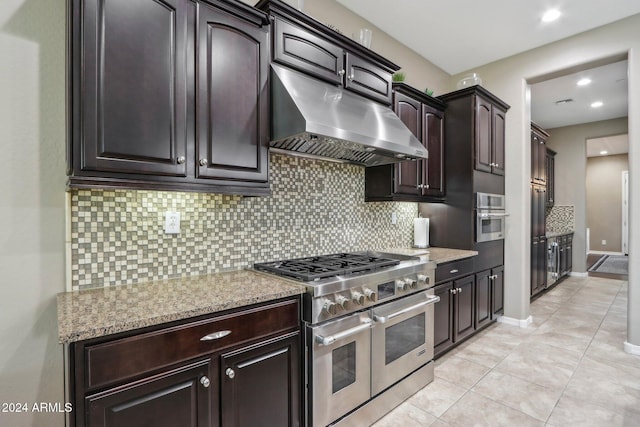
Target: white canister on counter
(421,232)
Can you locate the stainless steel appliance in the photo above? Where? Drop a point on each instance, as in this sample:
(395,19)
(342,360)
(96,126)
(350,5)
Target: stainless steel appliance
(490,217)
(553,260)
(368,325)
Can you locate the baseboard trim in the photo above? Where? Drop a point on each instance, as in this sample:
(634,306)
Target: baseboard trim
(631,348)
(576,274)
(522,323)
(604,253)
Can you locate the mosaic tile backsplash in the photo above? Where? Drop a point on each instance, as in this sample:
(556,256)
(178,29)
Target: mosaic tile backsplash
(316,207)
(561,219)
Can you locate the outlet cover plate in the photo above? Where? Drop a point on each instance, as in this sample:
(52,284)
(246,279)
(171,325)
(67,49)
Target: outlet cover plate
(172,222)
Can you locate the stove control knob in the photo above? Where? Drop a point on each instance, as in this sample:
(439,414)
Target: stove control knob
(371,295)
(411,284)
(357,298)
(401,285)
(343,302)
(423,278)
(330,307)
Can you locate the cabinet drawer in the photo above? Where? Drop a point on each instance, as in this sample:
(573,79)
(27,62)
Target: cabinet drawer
(114,361)
(454,269)
(301,49)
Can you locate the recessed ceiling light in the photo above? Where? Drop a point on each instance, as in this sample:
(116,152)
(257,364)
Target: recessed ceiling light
(551,15)
(596,104)
(584,82)
(604,152)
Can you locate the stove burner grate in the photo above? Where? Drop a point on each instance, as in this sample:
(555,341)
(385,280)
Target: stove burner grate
(313,268)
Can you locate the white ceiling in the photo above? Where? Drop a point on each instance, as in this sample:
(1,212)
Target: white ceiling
(618,144)
(458,35)
(608,84)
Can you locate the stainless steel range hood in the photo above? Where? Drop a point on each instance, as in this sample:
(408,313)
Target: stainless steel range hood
(316,118)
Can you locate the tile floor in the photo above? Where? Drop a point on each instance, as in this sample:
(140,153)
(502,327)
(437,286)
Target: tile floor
(566,369)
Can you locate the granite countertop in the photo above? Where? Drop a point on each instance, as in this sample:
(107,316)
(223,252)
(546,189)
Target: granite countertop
(98,312)
(439,255)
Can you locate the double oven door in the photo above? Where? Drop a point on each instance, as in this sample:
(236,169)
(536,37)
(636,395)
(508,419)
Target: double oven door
(358,356)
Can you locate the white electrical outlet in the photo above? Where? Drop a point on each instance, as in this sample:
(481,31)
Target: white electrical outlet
(604,243)
(394,218)
(172,222)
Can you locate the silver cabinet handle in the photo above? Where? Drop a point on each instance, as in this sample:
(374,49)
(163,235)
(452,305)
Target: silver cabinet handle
(230,373)
(341,72)
(454,271)
(366,324)
(383,319)
(204,162)
(352,75)
(453,291)
(181,160)
(459,290)
(215,335)
(205,382)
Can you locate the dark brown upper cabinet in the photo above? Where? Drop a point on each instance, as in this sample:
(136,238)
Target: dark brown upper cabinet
(155,94)
(421,180)
(309,46)
(485,116)
(538,154)
(550,171)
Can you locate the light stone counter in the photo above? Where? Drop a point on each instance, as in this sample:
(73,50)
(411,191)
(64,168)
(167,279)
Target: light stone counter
(439,255)
(98,312)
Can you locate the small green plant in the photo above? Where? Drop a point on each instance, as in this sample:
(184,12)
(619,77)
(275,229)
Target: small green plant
(398,77)
(428,91)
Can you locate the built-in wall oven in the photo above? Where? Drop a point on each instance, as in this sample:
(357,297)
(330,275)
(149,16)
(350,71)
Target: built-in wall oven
(368,333)
(490,217)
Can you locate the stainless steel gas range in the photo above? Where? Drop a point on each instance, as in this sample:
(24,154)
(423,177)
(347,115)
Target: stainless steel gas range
(368,327)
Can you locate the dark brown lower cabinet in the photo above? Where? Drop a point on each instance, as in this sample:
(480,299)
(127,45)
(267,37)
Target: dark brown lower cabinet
(466,305)
(454,313)
(257,386)
(538,265)
(178,397)
(237,368)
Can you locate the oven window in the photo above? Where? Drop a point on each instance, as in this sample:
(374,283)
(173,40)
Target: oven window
(404,337)
(491,226)
(343,366)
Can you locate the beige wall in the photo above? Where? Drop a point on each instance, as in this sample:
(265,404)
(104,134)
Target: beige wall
(604,201)
(508,79)
(32,200)
(571,171)
(420,73)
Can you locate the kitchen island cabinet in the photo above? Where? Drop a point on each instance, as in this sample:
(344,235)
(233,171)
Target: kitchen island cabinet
(420,180)
(137,72)
(203,372)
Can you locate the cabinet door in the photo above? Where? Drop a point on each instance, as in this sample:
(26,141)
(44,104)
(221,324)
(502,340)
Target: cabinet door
(442,318)
(497,140)
(483,126)
(406,173)
(367,79)
(307,52)
(463,308)
(232,121)
(534,157)
(133,108)
(181,397)
(569,254)
(541,256)
(550,173)
(483,298)
(261,384)
(497,292)
(433,139)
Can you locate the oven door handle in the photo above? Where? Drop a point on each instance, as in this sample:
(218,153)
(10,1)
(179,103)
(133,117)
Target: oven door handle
(492,215)
(328,340)
(383,319)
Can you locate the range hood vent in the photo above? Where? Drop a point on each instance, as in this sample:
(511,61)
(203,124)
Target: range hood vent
(318,119)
